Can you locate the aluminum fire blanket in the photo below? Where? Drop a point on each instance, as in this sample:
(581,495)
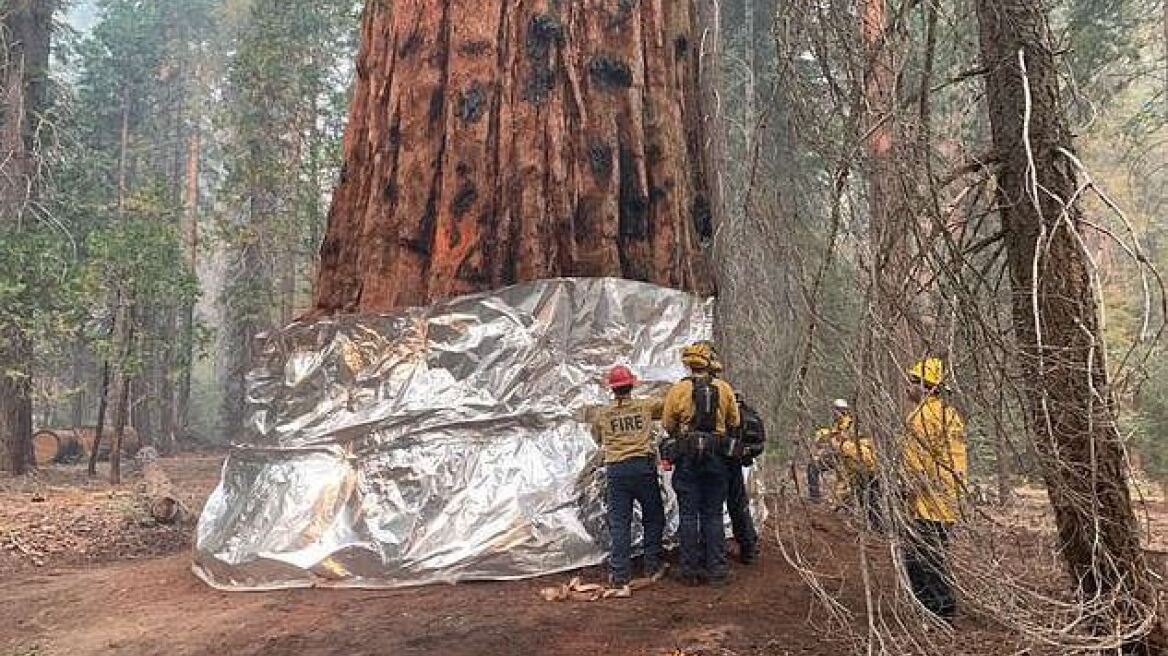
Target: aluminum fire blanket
(436,444)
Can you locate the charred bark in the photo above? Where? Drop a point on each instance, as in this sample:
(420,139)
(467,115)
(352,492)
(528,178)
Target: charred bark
(24,63)
(497,142)
(1056,318)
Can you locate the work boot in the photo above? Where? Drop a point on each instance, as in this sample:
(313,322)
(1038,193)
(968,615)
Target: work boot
(748,555)
(692,579)
(654,570)
(720,581)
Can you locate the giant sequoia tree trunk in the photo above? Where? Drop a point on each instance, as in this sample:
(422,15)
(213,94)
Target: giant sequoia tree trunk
(493,141)
(1057,321)
(24,63)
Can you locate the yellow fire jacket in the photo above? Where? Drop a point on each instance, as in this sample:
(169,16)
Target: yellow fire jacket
(935,461)
(679,408)
(624,428)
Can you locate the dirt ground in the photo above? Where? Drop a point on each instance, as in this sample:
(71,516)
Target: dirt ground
(84,574)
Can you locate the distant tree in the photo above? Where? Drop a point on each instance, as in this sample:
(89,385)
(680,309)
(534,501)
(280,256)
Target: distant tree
(286,86)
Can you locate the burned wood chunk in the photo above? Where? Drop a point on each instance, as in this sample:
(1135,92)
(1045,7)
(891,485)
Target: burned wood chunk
(610,72)
(412,44)
(539,84)
(600,160)
(624,13)
(464,198)
(544,32)
(476,48)
(437,103)
(473,273)
(703,218)
(423,241)
(472,103)
(633,204)
(330,247)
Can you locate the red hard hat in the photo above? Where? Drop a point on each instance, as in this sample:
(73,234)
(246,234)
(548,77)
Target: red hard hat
(621,376)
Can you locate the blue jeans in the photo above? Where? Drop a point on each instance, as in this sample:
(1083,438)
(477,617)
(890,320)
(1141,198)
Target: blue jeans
(701,494)
(628,481)
(738,503)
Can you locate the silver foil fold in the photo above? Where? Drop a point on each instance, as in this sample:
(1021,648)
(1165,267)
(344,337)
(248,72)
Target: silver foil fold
(437,444)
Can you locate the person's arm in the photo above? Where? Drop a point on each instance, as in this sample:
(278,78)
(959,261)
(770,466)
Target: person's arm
(657,407)
(857,450)
(671,409)
(958,450)
(589,414)
(729,406)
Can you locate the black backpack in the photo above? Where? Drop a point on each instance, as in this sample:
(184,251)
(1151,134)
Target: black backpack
(753,429)
(705,402)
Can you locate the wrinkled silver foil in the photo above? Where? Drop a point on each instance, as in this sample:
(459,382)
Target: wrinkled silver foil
(437,444)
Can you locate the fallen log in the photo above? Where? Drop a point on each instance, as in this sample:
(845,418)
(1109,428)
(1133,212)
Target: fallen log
(45,447)
(159,497)
(57,445)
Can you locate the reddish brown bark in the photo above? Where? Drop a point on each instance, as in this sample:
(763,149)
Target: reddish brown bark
(496,142)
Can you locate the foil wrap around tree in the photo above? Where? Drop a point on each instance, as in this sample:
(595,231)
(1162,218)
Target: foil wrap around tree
(437,444)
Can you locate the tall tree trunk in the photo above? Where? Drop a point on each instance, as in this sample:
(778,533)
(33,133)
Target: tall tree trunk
(26,33)
(79,383)
(1056,318)
(145,404)
(492,142)
(102,406)
(708,146)
(15,402)
(287,284)
(892,344)
(123,150)
(164,375)
(750,120)
(1002,470)
(191,245)
(121,415)
(119,381)
(250,292)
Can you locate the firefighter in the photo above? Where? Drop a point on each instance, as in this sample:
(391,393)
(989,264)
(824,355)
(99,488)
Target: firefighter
(855,458)
(818,464)
(934,466)
(752,440)
(740,455)
(842,420)
(624,430)
(699,411)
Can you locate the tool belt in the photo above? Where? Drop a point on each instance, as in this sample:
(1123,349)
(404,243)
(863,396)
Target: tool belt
(698,447)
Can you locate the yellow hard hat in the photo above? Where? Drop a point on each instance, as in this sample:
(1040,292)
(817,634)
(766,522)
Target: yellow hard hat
(930,371)
(709,346)
(697,356)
